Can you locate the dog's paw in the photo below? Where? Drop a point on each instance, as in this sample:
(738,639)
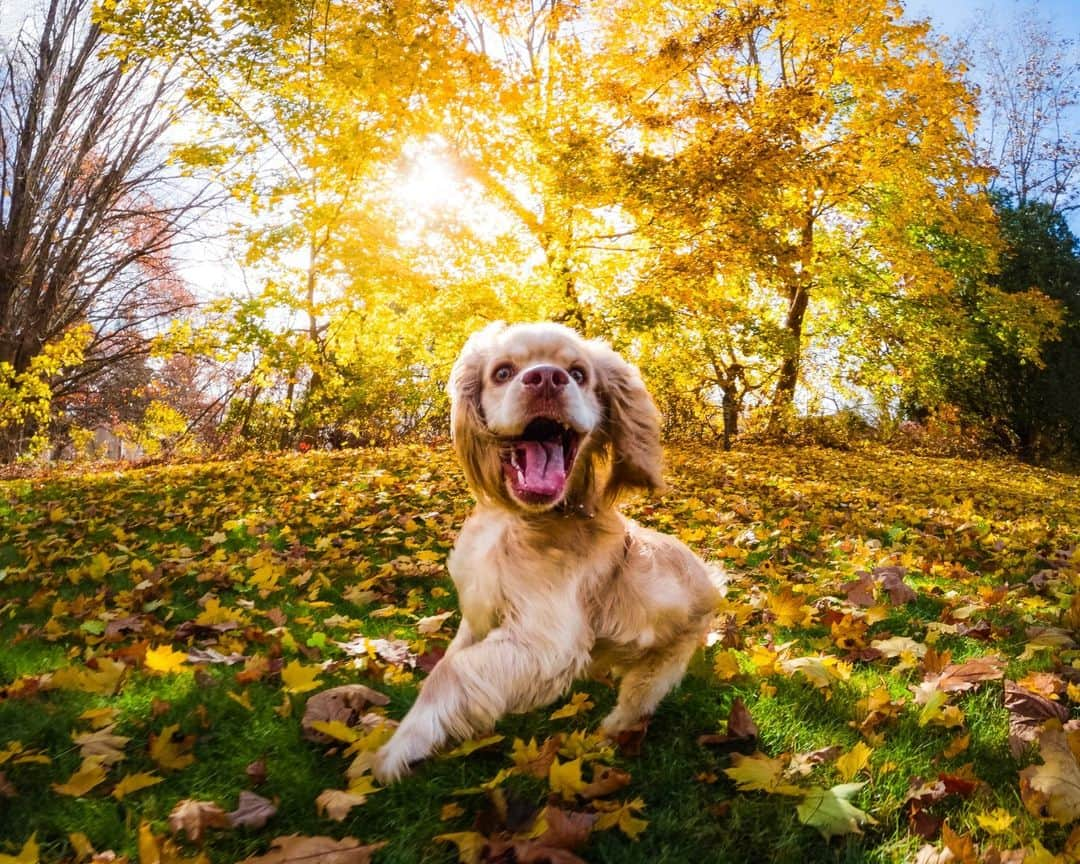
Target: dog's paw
(390,764)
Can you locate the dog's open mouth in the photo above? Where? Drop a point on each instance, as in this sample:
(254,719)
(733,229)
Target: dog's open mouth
(538,464)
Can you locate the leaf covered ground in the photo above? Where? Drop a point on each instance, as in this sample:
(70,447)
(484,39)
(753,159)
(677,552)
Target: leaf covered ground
(892,676)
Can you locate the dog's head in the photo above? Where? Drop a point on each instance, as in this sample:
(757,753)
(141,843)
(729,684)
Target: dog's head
(541,418)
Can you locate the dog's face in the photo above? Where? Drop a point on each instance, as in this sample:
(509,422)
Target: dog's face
(536,410)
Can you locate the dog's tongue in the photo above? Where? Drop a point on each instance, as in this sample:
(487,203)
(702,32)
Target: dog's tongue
(545,472)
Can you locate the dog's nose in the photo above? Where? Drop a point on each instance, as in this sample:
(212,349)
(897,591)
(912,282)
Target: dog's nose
(545,380)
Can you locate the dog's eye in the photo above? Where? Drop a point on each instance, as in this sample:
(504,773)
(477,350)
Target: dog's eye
(503,374)
(578,374)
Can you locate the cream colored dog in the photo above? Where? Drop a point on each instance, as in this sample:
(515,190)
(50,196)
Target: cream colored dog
(553,581)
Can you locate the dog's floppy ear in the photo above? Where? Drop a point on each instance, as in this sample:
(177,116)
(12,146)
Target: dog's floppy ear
(631,423)
(472,441)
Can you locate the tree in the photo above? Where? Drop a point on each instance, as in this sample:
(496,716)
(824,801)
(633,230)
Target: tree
(92,208)
(804,151)
(308,106)
(1028,80)
(1029,404)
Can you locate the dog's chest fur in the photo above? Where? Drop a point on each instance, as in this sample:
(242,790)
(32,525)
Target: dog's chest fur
(506,569)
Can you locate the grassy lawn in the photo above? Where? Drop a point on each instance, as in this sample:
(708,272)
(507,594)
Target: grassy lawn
(161,631)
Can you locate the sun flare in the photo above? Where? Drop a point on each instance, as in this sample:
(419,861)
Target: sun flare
(430,182)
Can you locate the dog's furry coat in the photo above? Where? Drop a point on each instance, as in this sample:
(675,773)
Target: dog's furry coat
(553,581)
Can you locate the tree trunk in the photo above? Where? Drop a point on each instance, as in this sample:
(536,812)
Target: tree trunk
(731,416)
(798,300)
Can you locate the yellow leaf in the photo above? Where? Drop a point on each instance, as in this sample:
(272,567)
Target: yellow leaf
(133,783)
(565,778)
(104,680)
(470,845)
(957,746)
(172,750)
(27,855)
(164,660)
(621,814)
(299,678)
(758,773)
(853,762)
(241,699)
(790,610)
(427,556)
(995,822)
(89,775)
(81,844)
(337,730)
(451,811)
(467,747)
(578,704)
(726,665)
(98,717)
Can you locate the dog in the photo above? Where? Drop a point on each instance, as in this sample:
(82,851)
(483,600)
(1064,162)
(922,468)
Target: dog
(553,581)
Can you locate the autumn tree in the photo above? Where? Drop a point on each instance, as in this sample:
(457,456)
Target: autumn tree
(811,152)
(306,108)
(91,212)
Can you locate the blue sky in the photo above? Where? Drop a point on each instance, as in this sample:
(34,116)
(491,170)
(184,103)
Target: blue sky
(956,16)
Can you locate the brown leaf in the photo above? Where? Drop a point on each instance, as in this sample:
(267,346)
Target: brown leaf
(6,789)
(742,732)
(345,704)
(630,740)
(336,803)
(1028,712)
(295,849)
(606,780)
(194,817)
(567,829)
(861,591)
(960,677)
(892,580)
(256,772)
(962,847)
(252,811)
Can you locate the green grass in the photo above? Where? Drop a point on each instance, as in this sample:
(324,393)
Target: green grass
(354,545)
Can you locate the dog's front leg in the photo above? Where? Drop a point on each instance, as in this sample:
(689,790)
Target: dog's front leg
(472,687)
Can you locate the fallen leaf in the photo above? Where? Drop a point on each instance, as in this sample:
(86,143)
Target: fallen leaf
(164,660)
(90,774)
(622,815)
(605,781)
(1028,712)
(102,744)
(852,762)
(467,747)
(1052,790)
(830,811)
(346,704)
(194,817)
(336,803)
(470,845)
(299,678)
(758,773)
(535,760)
(170,749)
(295,849)
(252,811)
(27,855)
(579,703)
(565,778)
(133,783)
